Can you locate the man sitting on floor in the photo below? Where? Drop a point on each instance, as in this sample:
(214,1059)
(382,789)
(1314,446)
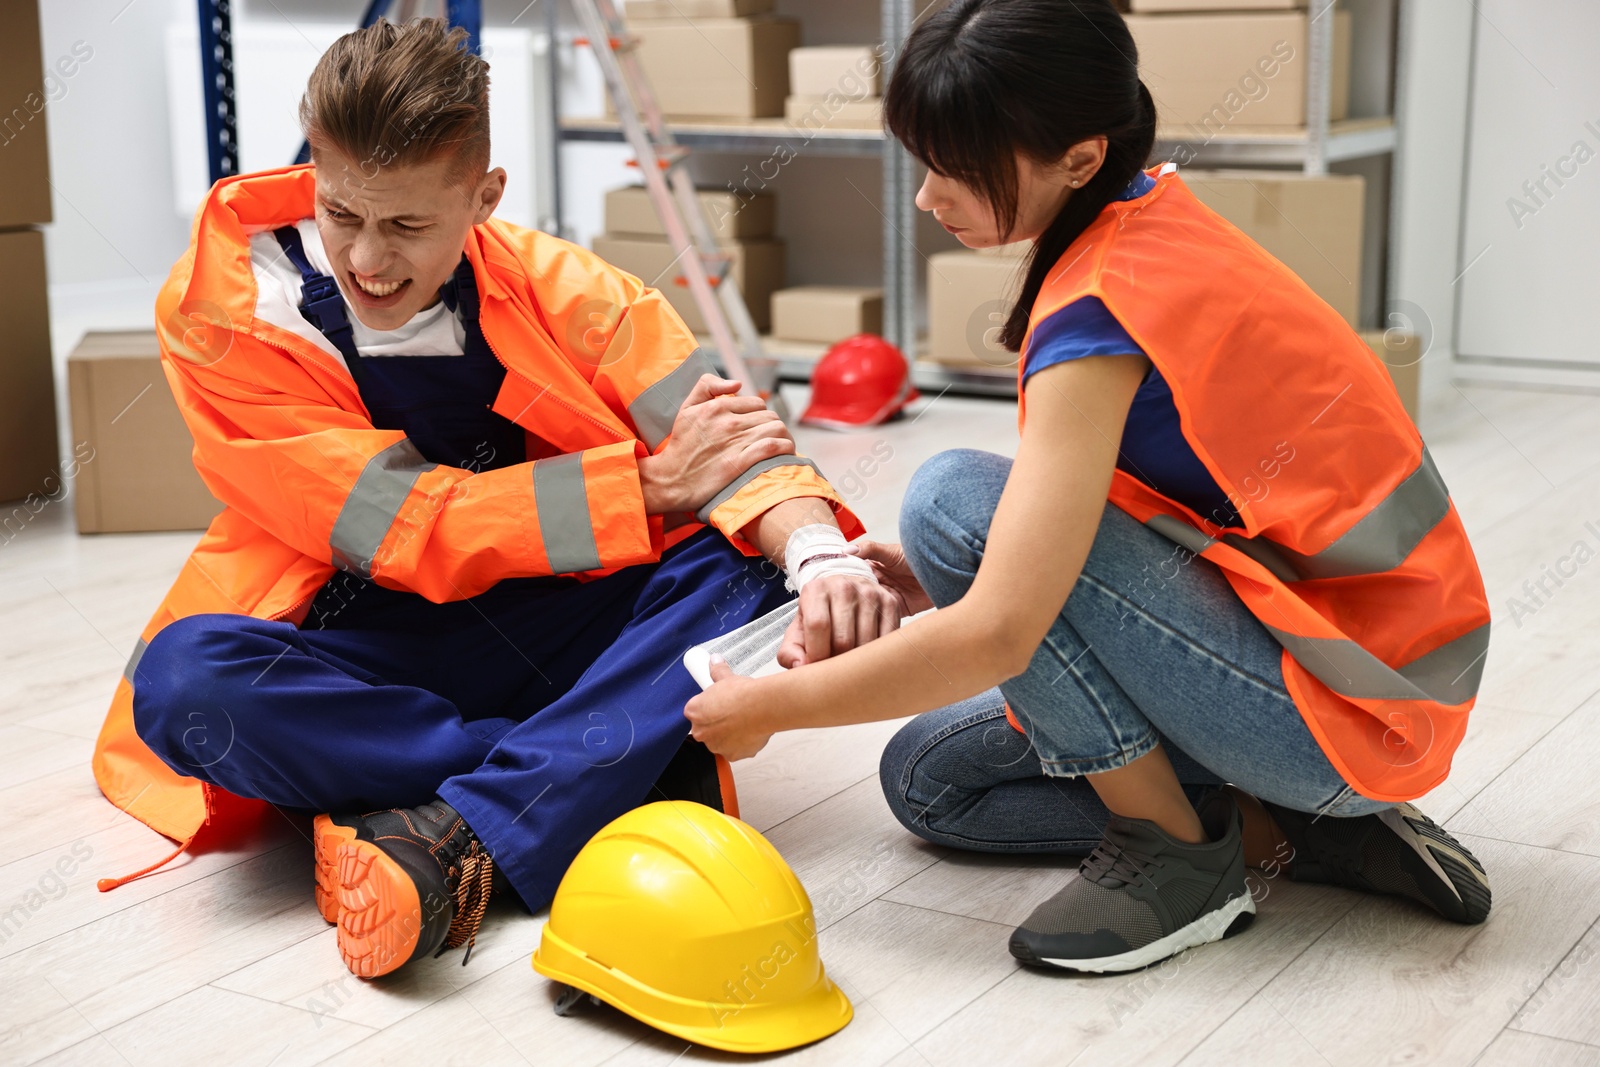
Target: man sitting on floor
(482,491)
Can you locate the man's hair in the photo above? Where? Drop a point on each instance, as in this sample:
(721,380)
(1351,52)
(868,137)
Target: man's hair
(397,95)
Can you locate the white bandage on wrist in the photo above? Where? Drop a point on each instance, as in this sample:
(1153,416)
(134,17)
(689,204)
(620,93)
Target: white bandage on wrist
(819,550)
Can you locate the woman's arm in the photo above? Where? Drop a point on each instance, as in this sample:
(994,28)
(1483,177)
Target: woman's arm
(1038,540)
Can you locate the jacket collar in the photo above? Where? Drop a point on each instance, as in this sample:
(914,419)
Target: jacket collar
(243,205)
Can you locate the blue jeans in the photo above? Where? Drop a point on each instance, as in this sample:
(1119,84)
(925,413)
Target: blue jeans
(1152,646)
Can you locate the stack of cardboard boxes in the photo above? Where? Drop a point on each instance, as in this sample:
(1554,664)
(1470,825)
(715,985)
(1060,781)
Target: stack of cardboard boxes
(636,242)
(29,467)
(835,86)
(714,58)
(1216,66)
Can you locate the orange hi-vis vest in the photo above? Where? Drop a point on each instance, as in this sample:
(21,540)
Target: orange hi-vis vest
(1350,553)
(597,368)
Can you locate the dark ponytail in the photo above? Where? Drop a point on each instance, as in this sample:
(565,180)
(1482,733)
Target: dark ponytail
(982,81)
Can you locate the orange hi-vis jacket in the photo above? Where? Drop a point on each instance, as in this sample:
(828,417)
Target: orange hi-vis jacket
(1350,553)
(597,368)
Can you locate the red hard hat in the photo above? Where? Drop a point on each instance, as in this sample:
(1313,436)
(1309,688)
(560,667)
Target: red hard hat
(861,381)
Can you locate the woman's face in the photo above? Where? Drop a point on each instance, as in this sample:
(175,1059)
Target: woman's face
(1042,190)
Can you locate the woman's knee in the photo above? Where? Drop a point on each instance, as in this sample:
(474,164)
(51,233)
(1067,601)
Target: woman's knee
(927,768)
(944,519)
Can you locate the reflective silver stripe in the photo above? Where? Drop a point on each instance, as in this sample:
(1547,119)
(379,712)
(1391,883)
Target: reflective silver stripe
(1380,542)
(655,409)
(374,504)
(722,497)
(562,502)
(1449,674)
(1181,532)
(133,661)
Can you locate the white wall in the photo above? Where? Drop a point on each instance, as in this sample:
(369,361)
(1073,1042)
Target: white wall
(110,162)
(1533,192)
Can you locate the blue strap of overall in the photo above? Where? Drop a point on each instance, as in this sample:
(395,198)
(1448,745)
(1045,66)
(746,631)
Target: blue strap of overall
(321,302)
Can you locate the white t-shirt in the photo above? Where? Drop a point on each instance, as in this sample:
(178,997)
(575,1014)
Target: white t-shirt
(434,331)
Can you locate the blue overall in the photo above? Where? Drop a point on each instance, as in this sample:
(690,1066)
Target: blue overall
(541,709)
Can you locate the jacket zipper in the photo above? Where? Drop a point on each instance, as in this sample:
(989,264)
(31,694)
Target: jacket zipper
(548,391)
(318,363)
(292,608)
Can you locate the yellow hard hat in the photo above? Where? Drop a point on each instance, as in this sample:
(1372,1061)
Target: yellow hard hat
(690,921)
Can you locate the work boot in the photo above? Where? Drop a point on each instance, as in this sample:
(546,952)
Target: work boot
(1143,896)
(692,775)
(401,883)
(1398,851)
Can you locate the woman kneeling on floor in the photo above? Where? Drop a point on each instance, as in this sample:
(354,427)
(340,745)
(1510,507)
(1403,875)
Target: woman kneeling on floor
(1264,644)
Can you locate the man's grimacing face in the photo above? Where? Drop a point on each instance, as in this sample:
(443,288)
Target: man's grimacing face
(395,233)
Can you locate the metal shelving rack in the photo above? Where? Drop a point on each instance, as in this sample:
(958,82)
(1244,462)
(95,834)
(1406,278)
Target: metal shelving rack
(1311,150)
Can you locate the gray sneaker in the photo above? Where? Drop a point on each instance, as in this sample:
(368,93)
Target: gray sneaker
(1142,896)
(1397,851)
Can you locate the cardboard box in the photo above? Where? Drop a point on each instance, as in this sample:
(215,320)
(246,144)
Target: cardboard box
(826,313)
(718,67)
(825,112)
(629,210)
(26,89)
(1147,6)
(695,9)
(969,298)
(1401,351)
(1313,225)
(29,462)
(757,270)
(853,71)
(1223,70)
(141,476)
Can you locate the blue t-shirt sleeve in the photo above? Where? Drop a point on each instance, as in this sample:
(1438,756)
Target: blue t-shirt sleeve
(1084,327)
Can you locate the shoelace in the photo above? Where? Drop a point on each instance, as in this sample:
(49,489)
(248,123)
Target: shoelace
(1109,858)
(476,881)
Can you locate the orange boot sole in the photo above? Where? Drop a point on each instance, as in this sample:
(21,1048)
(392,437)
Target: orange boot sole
(327,836)
(380,915)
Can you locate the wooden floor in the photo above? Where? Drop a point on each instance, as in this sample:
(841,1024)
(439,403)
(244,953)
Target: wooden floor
(221,958)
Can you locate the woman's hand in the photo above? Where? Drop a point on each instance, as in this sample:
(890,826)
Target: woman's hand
(894,574)
(724,718)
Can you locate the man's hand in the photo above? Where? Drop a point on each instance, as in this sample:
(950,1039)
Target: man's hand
(717,436)
(838,612)
(726,717)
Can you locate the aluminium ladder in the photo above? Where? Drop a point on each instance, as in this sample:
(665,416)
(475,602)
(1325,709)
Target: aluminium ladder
(663,164)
